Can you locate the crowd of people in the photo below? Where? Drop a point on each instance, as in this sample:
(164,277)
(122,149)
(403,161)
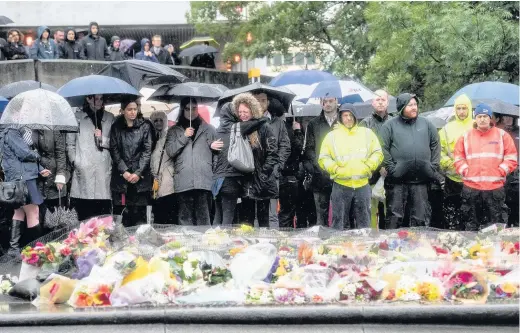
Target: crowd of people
(68,44)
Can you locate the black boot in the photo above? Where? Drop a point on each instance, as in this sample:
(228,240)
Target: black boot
(14,242)
(32,234)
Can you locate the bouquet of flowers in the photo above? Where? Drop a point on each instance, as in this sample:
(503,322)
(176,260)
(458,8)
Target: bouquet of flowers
(360,290)
(288,296)
(43,253)
(259,294)
(90,234)
(6,283)
(466,287)
(92,295)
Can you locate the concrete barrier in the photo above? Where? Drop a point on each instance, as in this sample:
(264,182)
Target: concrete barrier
(16,70)
(59,72)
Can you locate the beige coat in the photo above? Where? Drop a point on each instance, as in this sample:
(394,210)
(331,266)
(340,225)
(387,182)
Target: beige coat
(166,171)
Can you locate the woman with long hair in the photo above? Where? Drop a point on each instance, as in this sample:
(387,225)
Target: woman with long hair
(131,151)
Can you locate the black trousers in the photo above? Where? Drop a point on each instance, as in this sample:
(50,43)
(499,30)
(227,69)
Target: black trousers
(452,204)
(407,197)
(89,208)
(480,208)
(350,207)
(288,201)
(226,201)
(251,208)
(132,215)
(165,210)
(306,209)
(194,207)
(322,203)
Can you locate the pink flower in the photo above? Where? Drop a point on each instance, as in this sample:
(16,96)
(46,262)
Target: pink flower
(39,244)
(402,234)
(465,277)
(66,251)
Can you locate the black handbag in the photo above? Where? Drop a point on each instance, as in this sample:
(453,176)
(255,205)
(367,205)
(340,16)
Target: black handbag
(13,194)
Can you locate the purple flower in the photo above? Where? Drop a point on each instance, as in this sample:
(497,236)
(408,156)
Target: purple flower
(85,264)
(269,276)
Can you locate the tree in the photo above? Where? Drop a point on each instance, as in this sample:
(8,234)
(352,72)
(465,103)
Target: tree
(435,54)
(333,31)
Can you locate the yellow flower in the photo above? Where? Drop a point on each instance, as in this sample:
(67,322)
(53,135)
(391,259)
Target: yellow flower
(508,287)
(246,228)
(474,251)
(400,292)
(280,271)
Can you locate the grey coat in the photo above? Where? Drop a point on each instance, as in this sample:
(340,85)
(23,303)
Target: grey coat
(164,174)
(51,147)
(193,159)
(92,167)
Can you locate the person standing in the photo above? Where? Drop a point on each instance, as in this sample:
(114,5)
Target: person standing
(229,183)
(411,158)
(93,45)
(484,157)
(131,151)
(321,183)
(166,55)
(70,48)
(89,155)
(145,53)
(44,47)
(20,162)
(274,111)
(164,205)
(350,154)
(59,36)
(261,186)
(375,122)
(449,135)
(115,53)
(191,144)
(14,49)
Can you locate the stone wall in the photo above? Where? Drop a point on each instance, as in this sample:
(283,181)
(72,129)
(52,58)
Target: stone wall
(59,72)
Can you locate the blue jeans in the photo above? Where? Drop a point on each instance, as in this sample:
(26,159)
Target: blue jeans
(350,207)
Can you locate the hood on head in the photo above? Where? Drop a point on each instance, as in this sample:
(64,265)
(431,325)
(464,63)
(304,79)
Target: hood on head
(276,107)
(403,100)
(463,100)
(160,115)
(90,27)
(143,42)
(21,36)
(42,29)
(249,100)
(113,39)
(347,107)
(69,30)
(228,117)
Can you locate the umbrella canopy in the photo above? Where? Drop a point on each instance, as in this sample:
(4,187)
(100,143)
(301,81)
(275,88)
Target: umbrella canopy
(206,112)
(344,91)
(12,89)
(3,103)
(113,89)
(126,44)
(202,91)
(436,121)
(5,20)
(506,92)
(302,91)
(39,109)
(196,50)
(306,110)
(306,77)
(366,108)
(200,40)
(498,106)
(282,94)
(139,73)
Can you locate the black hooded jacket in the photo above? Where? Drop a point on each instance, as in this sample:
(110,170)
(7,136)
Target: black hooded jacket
(131,150)
(70,49)
(411,147)
(221,167)
(277,122)
(115,54)
(94,47)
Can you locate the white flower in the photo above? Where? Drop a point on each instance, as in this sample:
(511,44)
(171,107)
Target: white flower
(280,293)
(188,268)
(299,299)
(266,297)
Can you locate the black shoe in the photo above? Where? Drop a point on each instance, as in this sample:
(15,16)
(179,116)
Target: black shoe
(14,242)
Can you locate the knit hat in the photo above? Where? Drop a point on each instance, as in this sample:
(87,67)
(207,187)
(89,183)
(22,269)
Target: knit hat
(483,109)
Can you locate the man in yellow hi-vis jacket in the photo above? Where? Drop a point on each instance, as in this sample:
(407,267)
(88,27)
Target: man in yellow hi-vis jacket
(350,154)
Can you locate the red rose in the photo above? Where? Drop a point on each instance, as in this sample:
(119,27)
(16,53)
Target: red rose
(402,234)
(383,245)
(465,277)
(517,246)
(440,250)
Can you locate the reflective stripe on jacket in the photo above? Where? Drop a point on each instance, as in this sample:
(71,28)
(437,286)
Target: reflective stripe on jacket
(484,159)
(350,155)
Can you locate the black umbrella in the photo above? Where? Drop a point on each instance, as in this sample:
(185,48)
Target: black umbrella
(139,73)
(12,89)
(305,110)
(496,105)
(174,93)
(196,50)
(365,109)
(5,20)
(284,95)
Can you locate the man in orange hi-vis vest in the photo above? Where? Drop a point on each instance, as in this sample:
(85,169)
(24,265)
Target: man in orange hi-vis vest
(484,156)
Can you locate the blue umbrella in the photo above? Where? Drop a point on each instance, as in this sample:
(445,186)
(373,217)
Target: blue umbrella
(303,76)
(3,104)
(506,92)
(344,91)
(113,89)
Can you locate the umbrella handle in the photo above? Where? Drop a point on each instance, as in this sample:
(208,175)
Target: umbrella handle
(190,113)
(59,197)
